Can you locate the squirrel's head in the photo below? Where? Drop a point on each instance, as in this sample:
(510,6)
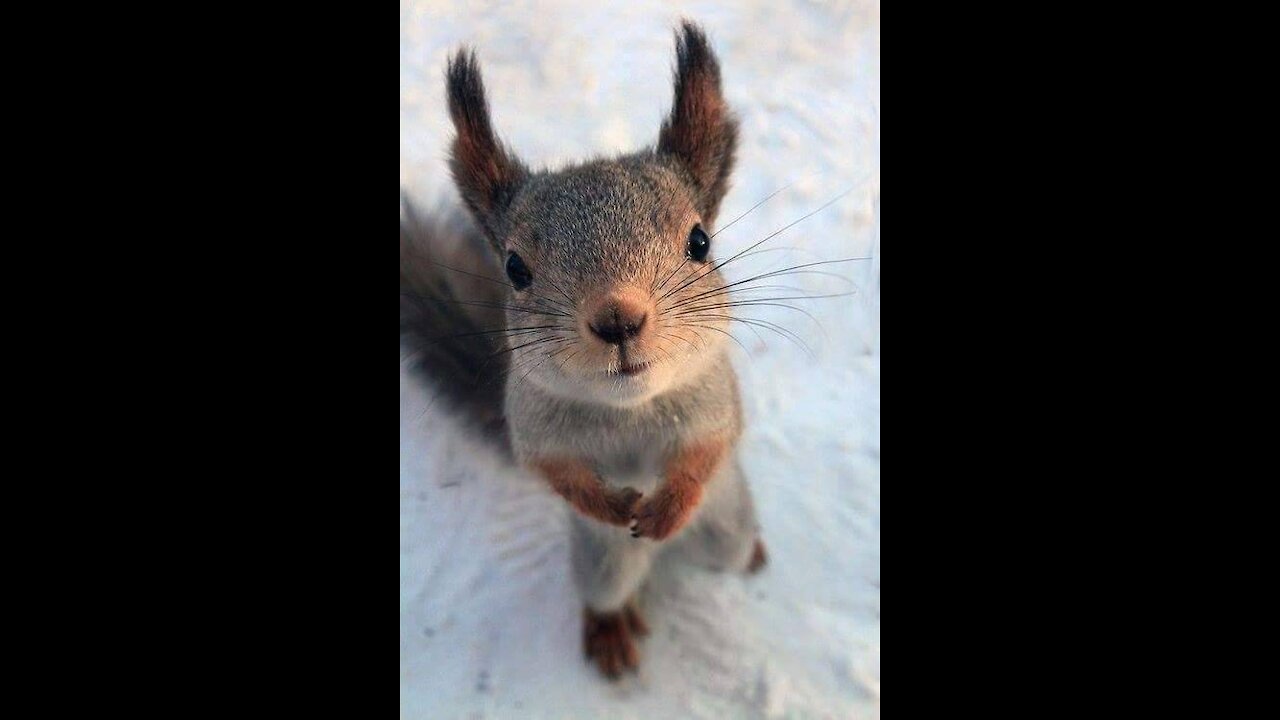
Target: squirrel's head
(615,295)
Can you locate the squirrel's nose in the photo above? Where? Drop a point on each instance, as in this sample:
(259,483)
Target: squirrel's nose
(619,322)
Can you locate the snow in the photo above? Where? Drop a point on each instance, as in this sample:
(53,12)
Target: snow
(489,620)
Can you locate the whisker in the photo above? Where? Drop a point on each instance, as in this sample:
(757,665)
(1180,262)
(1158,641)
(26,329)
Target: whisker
(531,343)
(475,303)
(497,282)
(728,291)
(769,301)
(776,233)
(664,351)
(535,367)
(776,273)
(767,198)
(504,331)
(680,337)
(545,277)
(774,327)
(507,372)
(749,303)
(565,362)
(673,274)
(722,332)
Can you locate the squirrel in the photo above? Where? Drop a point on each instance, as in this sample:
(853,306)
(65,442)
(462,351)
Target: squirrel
(601,361)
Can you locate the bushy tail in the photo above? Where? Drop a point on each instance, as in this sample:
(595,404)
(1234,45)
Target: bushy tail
(447,316)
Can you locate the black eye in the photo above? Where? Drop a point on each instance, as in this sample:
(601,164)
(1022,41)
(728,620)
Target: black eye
(699,244)
(518,272)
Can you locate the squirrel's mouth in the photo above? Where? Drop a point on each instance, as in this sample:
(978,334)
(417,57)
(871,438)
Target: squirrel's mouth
(630,370)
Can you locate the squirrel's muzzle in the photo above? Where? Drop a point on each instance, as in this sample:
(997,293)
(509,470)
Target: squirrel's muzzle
(619,320)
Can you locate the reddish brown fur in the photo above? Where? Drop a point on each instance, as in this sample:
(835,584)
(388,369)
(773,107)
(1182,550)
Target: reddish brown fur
(671,507)
(576,482)
(677,184)
(759,558)
(701,131)
(486,173)
(639,627)
(609,639)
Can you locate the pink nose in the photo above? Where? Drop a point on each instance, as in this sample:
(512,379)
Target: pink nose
(619,321)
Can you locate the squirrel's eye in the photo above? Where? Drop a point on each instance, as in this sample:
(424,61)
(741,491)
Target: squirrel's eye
(699,244)
(518,272)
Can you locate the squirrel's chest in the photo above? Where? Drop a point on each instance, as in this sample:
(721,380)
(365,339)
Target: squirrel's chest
(617,439)
(640,469)
(628,450)
(621,439)
(629,446)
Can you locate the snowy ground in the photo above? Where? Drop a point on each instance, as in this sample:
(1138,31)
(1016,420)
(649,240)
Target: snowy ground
(489,623)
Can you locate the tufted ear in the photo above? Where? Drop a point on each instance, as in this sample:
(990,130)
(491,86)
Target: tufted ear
(486,173)
(701,132)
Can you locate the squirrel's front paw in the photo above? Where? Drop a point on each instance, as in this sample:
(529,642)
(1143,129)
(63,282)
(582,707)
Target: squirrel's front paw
(622,505)
(659,519)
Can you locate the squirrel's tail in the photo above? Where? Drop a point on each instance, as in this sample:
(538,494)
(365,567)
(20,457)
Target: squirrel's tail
(448,312)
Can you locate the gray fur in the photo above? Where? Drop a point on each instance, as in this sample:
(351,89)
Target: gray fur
(442,338)
(628,446)
(723,536)
(600,232)
(609,566)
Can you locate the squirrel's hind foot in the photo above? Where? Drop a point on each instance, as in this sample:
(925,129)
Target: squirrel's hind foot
(610,640)
(759,559)
(638,626)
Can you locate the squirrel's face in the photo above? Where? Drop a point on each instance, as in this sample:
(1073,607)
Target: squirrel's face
(613,263)
(614,286)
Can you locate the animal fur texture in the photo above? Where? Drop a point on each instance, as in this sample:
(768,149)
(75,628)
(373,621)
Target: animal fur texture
(600,357)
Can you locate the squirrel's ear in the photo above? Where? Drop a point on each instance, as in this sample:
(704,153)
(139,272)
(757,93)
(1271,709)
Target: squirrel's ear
(486,173)
(701,131)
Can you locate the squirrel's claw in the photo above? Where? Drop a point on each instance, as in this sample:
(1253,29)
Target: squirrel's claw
(659,520)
